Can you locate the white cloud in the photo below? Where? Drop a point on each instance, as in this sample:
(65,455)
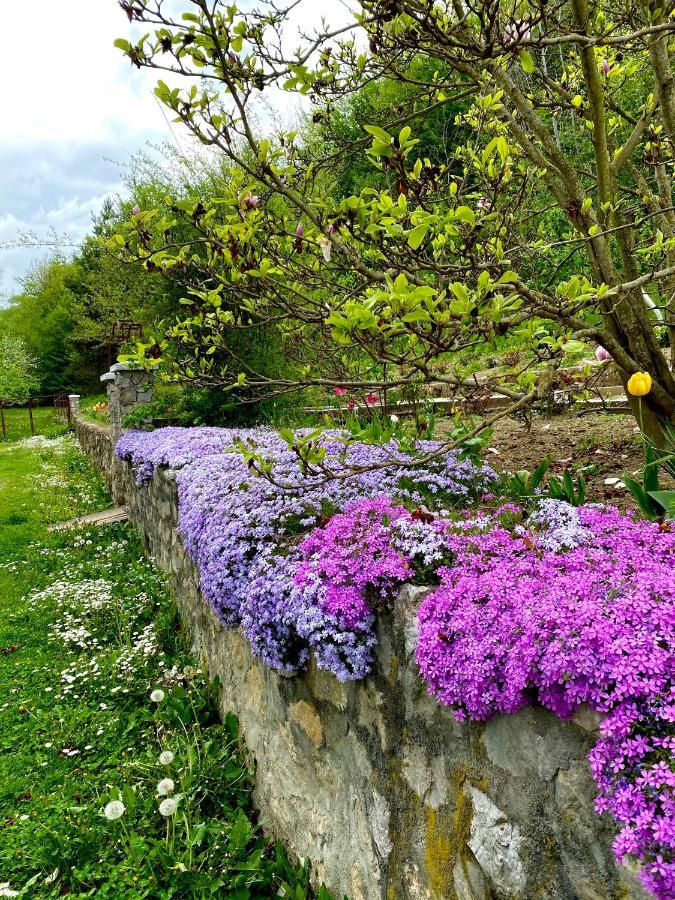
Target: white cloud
(71,103)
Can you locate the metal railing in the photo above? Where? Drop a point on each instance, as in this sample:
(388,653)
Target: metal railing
(60,404)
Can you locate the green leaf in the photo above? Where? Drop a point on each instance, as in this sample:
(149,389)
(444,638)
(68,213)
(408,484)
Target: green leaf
(465,214)
(651,473)
(401,284)
(526,62)
(460,291)
(241,831)
(417,315)
(644,500)
(538,474)
(508,277)
(417,235)
(666,499)
(121,44)
(378,133)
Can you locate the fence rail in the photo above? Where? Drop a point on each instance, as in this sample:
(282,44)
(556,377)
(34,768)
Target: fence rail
(36,414)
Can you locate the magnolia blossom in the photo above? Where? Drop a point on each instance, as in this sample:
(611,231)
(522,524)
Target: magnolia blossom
(165,787)
(601,354)
(114,810)
(325,245)
(483,203)
(606,68)
(515,32)
(168,807)
(136,211)
(157,695)
(166,758)
(251,201)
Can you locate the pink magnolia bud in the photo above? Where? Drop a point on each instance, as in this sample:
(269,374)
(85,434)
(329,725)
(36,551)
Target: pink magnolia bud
(515,33)
(251,201)
(601,354)
(136,211)
(606,68)
(483,203)
(299,231)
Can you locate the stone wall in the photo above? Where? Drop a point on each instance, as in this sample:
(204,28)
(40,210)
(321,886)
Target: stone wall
(379,786)
(96,441)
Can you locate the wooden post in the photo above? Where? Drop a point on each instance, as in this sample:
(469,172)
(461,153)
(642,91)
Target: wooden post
(2,421)
(30,416)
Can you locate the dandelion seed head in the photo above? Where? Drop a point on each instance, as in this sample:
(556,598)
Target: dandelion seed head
(114,810)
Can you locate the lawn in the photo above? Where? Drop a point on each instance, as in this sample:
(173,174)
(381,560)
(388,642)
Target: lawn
(46,421)
(117,779)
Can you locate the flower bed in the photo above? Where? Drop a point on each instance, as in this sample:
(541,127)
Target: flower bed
(566,606)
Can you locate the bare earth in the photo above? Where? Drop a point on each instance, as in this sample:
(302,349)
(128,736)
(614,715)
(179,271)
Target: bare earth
(598,445)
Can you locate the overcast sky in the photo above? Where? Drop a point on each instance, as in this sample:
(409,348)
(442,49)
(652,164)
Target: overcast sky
(73,110)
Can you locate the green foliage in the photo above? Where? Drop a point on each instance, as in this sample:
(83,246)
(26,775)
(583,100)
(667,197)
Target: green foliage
(384,245)
(565,489)
(17,370)
(42,316)
(654,503)
(524,485)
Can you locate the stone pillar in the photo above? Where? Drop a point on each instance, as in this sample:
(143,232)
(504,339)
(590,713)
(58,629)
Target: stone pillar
(74,401)
(127,388)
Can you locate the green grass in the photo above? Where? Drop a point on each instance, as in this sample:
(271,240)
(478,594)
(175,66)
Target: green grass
(87,632)
(17,423)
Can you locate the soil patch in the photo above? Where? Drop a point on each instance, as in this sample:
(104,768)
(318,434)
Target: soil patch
(601,446)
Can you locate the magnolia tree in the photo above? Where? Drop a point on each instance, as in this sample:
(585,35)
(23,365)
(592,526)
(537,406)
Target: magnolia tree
(552,220)
(17,370)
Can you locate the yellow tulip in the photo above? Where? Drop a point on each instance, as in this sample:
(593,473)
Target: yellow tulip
(640,384)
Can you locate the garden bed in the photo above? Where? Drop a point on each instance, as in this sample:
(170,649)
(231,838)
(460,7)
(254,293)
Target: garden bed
(299,576)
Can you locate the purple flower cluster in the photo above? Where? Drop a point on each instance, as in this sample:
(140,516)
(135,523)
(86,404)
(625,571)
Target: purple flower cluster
(244,532)
(577,606)
(349,570)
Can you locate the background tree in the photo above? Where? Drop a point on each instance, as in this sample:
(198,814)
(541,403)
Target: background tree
(17,370)
(570,122)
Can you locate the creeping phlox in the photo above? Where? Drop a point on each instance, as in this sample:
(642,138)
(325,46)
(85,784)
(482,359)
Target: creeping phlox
(577,605)
(245,533)
(573,606)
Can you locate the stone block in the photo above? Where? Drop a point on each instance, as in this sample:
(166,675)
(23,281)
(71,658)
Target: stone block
(305,716)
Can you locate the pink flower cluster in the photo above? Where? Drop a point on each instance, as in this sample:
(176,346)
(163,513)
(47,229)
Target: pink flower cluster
(369,399)
(587,619)
(349,569)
